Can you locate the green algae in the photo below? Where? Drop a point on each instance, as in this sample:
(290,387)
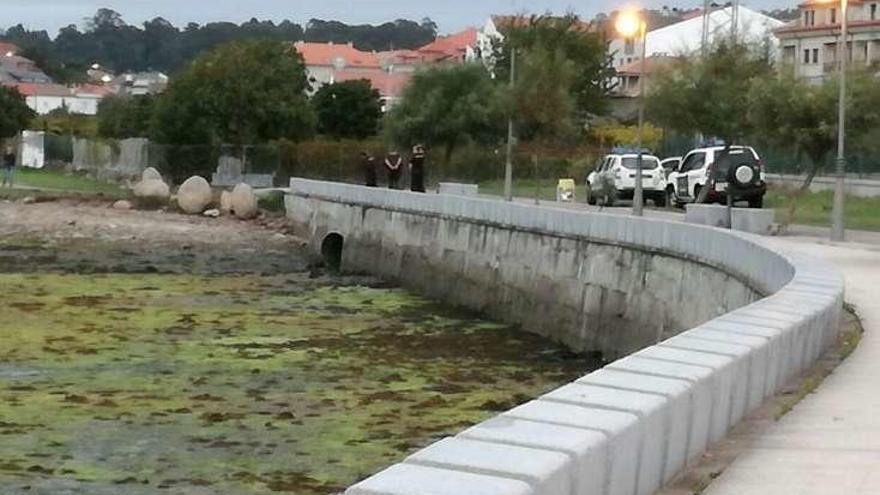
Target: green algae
(241,384)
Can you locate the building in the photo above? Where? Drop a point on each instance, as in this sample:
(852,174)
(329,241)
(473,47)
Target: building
(17,69)
(45,98)
(140,83)
(686,37)
(809,45)
(389,71)
(626,83)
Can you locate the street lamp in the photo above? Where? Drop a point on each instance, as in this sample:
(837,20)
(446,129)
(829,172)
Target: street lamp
(631,25)
(838,230)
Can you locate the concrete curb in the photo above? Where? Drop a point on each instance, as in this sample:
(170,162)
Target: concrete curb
(629,427)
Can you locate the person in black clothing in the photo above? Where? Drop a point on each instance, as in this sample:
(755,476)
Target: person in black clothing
(368,163)
(417,169)
(8,163)
(393,164)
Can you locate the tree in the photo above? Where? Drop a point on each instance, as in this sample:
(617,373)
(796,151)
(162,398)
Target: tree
(15,115)
(241,93)
(122,117)
(707,94)
(448,106)
(542,97)
(569,38)
(349,109)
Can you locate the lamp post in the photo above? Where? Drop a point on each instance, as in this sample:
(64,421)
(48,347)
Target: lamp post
(631,25)
(838,231)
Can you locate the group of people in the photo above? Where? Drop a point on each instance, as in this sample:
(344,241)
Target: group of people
(8,149)
(393,168)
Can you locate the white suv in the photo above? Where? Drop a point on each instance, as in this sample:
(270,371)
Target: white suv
(684,183)
(615,178)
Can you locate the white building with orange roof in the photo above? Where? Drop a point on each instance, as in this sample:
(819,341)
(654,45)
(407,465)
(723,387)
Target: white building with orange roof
(324,60)
(809,45)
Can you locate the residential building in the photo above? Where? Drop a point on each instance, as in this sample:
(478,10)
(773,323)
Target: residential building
(809,45)
(685,37)
(140,83)
(17,69)
(8,49)
(45,98)
(324,60)
(626,83)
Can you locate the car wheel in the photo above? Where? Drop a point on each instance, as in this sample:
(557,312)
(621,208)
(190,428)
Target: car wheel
(661,199)
(756,202)
(591,198)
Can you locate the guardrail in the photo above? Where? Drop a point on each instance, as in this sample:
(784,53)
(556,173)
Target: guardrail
(631,426)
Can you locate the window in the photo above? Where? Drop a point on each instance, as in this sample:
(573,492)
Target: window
(806,56)
(806,18)
(815,55)
(873,11)
(631,162)
(693,161)
(833,16)
(629,46)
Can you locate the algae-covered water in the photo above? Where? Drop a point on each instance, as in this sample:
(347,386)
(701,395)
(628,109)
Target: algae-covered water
(241,384)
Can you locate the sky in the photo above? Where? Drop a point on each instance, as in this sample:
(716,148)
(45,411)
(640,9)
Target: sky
(451,15)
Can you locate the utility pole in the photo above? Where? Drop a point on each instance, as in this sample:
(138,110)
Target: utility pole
(508,165)
(638,195)
(838,230)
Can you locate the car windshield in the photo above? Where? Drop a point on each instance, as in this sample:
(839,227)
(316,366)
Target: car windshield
(648,162)
(736,156)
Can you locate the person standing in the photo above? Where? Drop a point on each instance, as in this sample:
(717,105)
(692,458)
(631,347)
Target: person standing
(394,166)
(417,169)
(8,162)
(368,164)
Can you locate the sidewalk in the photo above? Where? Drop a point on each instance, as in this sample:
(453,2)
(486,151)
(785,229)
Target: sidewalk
(830,443)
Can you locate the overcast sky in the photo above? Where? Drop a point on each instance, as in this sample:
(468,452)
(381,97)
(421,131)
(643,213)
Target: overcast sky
(451,15)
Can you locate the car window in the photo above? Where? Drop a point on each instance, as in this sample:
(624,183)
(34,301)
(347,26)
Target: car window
(694,161)
(648,162)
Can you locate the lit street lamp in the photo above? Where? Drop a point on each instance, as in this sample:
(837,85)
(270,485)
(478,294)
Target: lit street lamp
(837,225)
(631,25)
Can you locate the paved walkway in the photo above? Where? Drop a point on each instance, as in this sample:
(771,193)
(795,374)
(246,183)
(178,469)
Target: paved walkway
(830,443)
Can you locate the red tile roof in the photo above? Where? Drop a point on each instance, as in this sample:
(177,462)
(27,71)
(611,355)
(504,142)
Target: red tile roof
(34,89)
(8,47)
(99,90)
(452,46)
(328,53)
(389,85)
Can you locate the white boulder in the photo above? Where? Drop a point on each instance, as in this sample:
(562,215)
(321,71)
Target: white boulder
(226,202)
(151,173)
(194,195)
(213,213)
(152,192)
(244,201)
(122,205)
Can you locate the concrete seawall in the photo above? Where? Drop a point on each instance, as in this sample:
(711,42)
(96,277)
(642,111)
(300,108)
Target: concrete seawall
(629,427)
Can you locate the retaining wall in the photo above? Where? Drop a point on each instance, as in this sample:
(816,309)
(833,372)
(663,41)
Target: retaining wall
(627,428)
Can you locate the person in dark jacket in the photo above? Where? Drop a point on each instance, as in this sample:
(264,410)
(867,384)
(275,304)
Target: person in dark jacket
(394,167)
(417,169)
(8,162)
(368,164)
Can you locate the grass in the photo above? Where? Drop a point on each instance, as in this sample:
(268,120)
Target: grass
(53,181)
(815,209)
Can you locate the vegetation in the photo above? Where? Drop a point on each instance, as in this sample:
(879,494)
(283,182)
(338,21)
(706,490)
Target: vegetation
(122,117)
(815,209)
(14,112)
(350,109)
(159,45)
(448,106)
(57,182)
(240,93)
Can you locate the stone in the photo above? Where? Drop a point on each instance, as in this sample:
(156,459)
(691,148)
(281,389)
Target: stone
(152,192)
(212,213)
(29,200)
(194,195)
(150,173)
(122,205)
(244,202)
(226,202)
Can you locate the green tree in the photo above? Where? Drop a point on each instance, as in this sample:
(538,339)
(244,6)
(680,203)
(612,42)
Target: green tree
(707,94)
(122,117)
(567,37)
(542,98)
(240,93)
(15,115)
(350,109)
(448,106)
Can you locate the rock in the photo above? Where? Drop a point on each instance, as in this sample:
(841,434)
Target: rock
(214,213)
(226,202)
(244,201)
(29,200)
(194,195)
(152,193)
(122,205)
(150,173)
